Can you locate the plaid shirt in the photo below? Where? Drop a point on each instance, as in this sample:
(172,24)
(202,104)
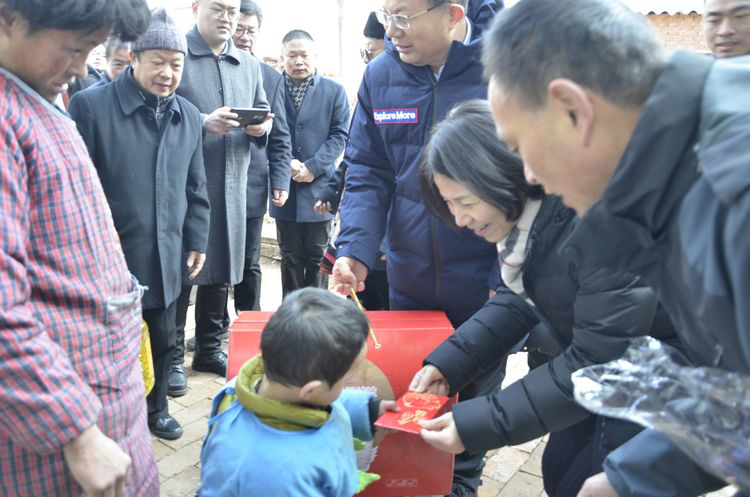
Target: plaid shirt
(69,310)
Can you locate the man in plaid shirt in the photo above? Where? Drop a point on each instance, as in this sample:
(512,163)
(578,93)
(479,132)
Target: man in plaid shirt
(72,404)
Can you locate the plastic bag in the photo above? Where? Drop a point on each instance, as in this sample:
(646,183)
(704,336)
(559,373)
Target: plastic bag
(147,359)
(704,411)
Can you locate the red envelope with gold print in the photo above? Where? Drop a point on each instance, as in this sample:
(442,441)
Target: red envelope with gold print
(415,407)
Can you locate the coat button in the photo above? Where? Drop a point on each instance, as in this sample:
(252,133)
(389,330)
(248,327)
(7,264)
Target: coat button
(299,127)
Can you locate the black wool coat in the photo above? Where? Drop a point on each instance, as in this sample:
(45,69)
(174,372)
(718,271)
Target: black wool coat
(154,180)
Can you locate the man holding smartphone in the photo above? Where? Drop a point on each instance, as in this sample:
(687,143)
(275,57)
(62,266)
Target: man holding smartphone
(217,78)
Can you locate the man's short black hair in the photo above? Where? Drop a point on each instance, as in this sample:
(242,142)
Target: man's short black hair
(314,335)
(600,44)
(113,45)
(296,34)
(127,19)
(250,8)
(493,173)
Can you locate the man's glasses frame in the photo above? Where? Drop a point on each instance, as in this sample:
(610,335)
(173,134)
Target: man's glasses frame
(219,13)
(400,20)
(245,30)
(367,54)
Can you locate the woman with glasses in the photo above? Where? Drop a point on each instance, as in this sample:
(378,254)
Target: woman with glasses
(574,315)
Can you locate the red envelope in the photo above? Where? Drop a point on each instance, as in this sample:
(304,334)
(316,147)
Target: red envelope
(415,407)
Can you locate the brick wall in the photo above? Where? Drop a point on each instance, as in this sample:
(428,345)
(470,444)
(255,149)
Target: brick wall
(679,30)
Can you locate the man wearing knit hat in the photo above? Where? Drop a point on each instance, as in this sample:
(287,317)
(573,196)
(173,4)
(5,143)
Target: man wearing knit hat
(146,144)
(374,39)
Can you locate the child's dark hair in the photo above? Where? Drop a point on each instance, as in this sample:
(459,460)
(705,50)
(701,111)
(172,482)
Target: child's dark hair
(127,19)
(314,335)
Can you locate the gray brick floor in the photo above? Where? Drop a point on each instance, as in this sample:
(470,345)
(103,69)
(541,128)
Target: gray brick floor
(510,471)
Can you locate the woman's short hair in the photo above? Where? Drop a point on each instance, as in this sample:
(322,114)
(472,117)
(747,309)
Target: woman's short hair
(465,148)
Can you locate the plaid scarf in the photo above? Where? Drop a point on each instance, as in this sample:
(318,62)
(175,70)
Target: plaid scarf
(298,92)
(512,250)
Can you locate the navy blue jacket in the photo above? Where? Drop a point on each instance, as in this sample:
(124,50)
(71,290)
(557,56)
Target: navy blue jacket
(319,131)
(430,265)
(677,212)
(276,156)
(154,180)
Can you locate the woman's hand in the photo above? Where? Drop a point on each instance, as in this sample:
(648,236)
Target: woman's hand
(430,379)
(442,434)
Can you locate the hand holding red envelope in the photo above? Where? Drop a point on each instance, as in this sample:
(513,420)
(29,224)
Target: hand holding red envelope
(413,408)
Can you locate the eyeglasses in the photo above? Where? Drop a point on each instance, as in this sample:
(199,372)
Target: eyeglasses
(367,54)
(219,13)
(244,30)
(401,21)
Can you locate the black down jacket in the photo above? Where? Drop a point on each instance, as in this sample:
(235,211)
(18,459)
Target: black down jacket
(582,316)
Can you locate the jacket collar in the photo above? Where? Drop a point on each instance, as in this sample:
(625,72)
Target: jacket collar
(198,47)
(661,152)
(552,210)
(129,94)
(460,58)
(315,80)
(724,127)
(660,158)
(280,415)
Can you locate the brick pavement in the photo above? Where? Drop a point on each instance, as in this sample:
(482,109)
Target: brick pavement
(510,471)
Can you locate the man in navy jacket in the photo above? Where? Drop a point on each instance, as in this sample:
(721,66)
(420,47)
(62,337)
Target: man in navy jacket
(317,112)
(431,64)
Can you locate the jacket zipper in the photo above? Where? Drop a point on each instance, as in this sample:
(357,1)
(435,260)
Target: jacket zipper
(433,222)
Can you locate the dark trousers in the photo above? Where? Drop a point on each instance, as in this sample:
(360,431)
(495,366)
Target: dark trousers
(247,293)
(467,469)
(162,330)
(301,246)
(210,304)
(568,459)
(375,295)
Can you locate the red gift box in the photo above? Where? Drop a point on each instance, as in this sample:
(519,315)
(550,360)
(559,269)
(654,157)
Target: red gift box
(407,465)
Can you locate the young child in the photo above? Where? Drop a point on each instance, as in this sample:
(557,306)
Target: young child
(284,427)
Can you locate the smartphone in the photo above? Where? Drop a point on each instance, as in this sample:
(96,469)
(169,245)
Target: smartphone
(246,117)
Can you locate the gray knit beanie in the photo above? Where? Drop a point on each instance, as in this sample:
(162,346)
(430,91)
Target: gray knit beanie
(162,34)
